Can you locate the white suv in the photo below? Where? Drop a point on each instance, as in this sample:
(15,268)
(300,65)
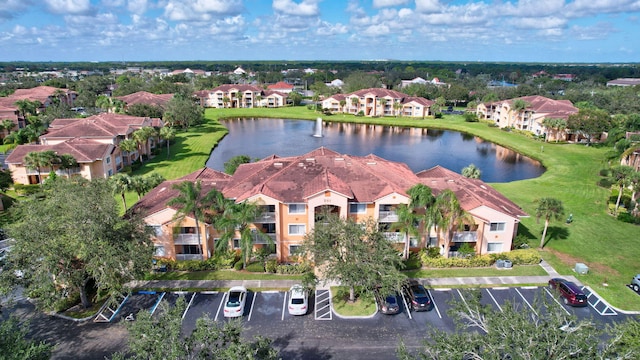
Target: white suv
(635,283)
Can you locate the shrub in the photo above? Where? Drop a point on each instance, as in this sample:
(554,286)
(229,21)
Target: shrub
(360,113)
(467,250)
(238,265)
(517,257)
(605,183)
(413,262)
(605,172)
(257,266)
(432,252)
(438,115)
(271,266)
(470,117)
(520,242)
(27,189)
(628,218)
(523,257)
(300,268)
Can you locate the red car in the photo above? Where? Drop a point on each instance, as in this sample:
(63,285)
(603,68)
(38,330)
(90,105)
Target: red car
(570,292)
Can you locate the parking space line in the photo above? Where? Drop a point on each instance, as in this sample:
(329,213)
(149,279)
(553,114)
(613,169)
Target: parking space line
(556,300)
(406,306)
(494,299)
(607,311)
(155,306)
(526,302)
(323,296)
(434,304)
(224,297)
(188,305)
(284,304)
(253,301)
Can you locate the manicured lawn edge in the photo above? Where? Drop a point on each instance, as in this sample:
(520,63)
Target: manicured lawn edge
(364,305)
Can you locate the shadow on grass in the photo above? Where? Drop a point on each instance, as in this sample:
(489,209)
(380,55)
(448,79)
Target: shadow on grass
(556,233)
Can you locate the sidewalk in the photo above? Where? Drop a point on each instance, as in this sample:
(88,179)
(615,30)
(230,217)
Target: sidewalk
(505,280)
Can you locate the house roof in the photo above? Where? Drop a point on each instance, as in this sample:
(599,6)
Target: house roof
(101,125)
(552,108)
(143,97)
(420,100)
(379,92)
(157,199)
(471,193)
(40,93)
(238,87)
(280,85)
(83,150)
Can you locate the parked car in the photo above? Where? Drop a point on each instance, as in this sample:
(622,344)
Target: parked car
(571,293)
(236,298)
(635,283)
(387,302)
(417,297)
(298,300)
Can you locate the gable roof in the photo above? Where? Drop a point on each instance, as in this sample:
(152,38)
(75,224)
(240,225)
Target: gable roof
(39,93)
(379,92)
(102,125)
(143,97)
(83,150)
(471,193)
(551,108)
(280,85)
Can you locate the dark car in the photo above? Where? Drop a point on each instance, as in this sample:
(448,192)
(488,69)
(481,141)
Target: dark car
(387,302)
(418,297)
(571,293)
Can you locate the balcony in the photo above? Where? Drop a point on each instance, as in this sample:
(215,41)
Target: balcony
(188,257)
(264,238)
(395,237)
(265,217)
(387,216)
(186,239)
(465,236)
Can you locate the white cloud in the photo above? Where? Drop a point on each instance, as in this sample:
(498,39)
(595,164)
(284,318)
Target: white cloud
(290,7)
(600,30)
(328,29)
(538,23)
(201,10)
(429,6)
(69,6)
(13,8)
(137,6)
(533,8)
(388,3)
(376,30)
(581,8)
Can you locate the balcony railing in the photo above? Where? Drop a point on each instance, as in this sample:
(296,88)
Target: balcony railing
(264,238)
(465,236)
(396,237)
(266,217)
(185,239)
(387,216)
(188,256)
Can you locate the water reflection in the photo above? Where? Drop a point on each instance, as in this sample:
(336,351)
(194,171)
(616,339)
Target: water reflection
(419,148)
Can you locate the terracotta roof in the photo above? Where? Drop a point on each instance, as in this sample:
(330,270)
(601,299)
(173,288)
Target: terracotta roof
(552,108)
(472,193)
(294,179)
(40,93)
(420,100)
(143,97)
(101,125)
(83,150)
(156,199)
(280,85)
(238,87)
(379,92)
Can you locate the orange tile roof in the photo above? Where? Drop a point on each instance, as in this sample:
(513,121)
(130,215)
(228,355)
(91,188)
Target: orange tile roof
(101,125)
(83,150)
(143,97)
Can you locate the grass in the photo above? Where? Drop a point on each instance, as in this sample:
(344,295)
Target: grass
(364,305)
(517,270)
(219,275)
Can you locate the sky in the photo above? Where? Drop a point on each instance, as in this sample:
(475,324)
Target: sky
(565,31)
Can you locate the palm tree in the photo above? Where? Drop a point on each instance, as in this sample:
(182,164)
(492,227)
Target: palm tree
(225,101)
(167,133)
(103,102)
(243,215)
(343,103)
(549,209)
(121,183)
(315,98)
(621,175)
(39,159)
(7,124)
(422,200)
(406,224)
(154,179)
(259,100)
(451,216)
(439,102)
(139,184)
(192,202)
(471,172)
(127,146)
(355,102)
(397,106)
(141,137)
(519,106)
(68,162)
(383,104)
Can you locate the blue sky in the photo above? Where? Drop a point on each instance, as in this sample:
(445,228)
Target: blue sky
(422,30)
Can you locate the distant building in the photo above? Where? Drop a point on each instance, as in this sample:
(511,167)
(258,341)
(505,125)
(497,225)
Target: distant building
(624,82)
(376,102)
(240,96)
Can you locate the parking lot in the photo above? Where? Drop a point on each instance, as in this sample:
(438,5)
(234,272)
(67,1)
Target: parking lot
(268,309)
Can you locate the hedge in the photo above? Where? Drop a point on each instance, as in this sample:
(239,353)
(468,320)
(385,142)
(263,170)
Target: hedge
(257,267)
(517,257)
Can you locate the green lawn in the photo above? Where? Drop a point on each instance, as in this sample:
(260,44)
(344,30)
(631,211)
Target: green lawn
(517,270)
(607,246)
(364,305)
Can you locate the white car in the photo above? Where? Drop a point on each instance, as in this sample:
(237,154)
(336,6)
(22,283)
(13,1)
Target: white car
(298,300)
(236,298)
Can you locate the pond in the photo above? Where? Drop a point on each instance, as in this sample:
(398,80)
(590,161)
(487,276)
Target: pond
(419,148)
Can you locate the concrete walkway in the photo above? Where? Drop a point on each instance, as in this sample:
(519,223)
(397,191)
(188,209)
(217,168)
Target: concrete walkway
(505,280)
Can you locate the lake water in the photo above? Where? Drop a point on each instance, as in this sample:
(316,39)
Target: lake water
(420,149)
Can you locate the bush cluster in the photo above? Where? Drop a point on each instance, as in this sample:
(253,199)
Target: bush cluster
(256,266)
(291,269)
(517,257)
(217,262)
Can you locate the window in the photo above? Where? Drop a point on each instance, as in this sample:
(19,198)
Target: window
(297,208)
(494,247)
(294,249)
(236,244)
(157,229)
(357,208)
(108,159)
(190,249)
(159,250)
(496,226)
(296,229)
